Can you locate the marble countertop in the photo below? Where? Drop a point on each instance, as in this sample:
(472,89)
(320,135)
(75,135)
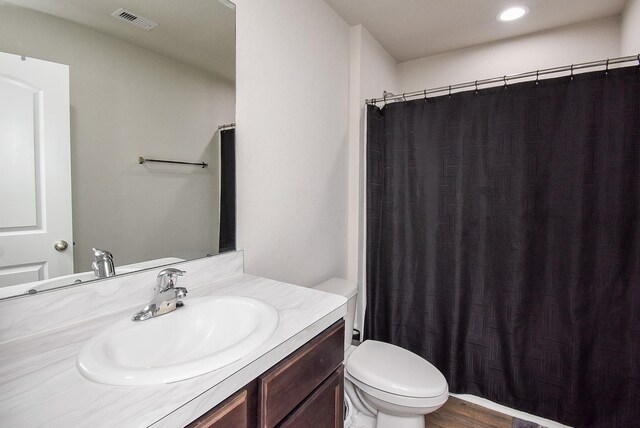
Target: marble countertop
(40,386)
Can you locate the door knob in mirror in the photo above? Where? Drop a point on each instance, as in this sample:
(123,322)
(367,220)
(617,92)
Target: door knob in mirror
(61,245)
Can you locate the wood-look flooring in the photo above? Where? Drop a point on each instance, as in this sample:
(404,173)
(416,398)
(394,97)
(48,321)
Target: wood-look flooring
(458,413)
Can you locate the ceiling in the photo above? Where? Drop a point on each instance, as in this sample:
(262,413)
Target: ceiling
(200,33)
(411,29)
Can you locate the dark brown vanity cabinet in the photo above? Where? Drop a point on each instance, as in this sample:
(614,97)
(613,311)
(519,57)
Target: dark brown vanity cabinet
(306,389)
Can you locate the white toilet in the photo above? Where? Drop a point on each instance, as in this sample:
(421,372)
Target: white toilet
(389,386)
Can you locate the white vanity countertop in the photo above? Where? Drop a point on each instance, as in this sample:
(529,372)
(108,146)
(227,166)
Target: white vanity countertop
(40,385)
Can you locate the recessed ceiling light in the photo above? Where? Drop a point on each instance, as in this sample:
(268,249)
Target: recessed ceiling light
(512,13)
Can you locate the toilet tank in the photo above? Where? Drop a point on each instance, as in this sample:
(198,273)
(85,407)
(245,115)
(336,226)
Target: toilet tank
(348,289)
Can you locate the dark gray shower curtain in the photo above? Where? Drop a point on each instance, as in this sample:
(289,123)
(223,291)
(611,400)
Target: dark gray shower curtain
(503,242)
(227,241)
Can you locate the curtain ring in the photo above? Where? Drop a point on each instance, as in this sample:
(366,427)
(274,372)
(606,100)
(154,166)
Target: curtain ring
(476,86)
(571,78)
(384,97)
(504,79)
(403,98)
(537,77)
(449,91)
(638,61)
(606,71)
(425,95)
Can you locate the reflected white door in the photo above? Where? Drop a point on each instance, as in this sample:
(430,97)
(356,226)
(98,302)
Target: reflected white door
(35,173)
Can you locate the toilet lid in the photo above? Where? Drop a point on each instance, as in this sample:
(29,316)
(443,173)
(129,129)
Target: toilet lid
(393,369)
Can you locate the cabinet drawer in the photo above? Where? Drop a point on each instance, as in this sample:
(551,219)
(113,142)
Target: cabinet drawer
(287,384)
(232,413)
(323,409)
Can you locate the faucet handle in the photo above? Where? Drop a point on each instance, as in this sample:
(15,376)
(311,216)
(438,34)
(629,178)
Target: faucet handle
(168,278)
(101,254)
(171,272)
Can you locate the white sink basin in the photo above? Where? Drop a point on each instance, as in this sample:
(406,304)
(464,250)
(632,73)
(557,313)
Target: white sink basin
(204,335)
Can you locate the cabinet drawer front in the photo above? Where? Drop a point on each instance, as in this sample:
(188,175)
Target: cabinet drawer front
(323,409)
(287,384)
(230,414)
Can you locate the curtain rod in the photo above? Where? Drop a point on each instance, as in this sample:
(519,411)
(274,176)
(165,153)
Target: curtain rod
(227,126)
(504,79)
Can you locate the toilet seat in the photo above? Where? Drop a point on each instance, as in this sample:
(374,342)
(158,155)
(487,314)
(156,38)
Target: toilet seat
(400,400)
(396,375)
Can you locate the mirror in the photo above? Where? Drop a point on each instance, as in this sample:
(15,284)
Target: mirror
(158,93)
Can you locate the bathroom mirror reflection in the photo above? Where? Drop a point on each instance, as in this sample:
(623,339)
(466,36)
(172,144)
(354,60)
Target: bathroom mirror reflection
(158,93)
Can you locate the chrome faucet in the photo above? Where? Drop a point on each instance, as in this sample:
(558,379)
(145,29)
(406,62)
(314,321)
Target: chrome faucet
(103,264)
(166,295)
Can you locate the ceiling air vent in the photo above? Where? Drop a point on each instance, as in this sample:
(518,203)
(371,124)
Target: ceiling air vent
(132,18)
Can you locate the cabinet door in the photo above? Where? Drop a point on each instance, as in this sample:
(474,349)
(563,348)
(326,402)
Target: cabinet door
(287,384)
(232,413)
(323,408)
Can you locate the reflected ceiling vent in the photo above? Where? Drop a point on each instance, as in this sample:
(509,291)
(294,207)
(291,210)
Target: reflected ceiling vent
(134,19)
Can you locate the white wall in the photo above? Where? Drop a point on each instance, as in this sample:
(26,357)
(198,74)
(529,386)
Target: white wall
(378,69)
(590,41)
(630,37)
(372,68)
(128,102)
(292,74)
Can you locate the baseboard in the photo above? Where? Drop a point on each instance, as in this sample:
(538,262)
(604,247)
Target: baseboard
(509,411)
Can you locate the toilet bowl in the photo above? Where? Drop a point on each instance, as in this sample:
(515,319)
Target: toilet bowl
(388,386)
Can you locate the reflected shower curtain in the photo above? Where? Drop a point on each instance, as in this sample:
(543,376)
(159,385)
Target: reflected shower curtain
(227,240)
(503,242)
